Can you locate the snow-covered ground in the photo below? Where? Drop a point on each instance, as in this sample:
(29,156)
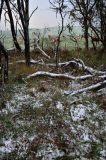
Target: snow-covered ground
(47,124)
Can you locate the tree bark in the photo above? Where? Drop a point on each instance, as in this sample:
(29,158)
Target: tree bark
(26,32)
(4,52)
(23,9)
(86,34)
(1,7)
(12,26)
(27,46)
(103,24)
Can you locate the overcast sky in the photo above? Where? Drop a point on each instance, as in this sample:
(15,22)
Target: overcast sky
(43,16)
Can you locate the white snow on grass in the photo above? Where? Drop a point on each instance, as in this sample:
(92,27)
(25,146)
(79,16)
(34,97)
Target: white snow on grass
(78,113)
(7,146)
(82,116)
(59,105)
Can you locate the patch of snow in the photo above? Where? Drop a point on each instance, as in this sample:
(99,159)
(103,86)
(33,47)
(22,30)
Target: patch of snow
(103,154)
(78,112)
(11,107)
(59,105)
(21,97)
(49,152)
(8,146)
(85,147)
(31,138)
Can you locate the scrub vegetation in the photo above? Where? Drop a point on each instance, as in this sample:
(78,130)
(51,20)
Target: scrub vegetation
(53,84)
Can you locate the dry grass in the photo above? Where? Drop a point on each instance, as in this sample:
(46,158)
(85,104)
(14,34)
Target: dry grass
(95,59)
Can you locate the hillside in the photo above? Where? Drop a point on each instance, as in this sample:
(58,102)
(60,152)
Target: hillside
(54,30)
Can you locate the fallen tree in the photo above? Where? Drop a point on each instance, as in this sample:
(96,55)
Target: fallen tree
(36,46)
(55,75)
(42,52)
(67,76)
(94,75)
(90,70)
(94,87)
(98,78)
(76,63)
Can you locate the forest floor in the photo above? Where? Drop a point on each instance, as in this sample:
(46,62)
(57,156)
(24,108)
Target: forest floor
(39,121)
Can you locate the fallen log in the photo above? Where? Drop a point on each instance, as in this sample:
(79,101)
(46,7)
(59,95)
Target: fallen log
(94,87)
(31,61)
(36,46)
(55,75)
(81,65)
(43,53)
(77,63)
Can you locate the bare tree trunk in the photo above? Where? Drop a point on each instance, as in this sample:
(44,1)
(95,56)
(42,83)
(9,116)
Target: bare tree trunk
(1,7)
(86,34)
(23,9)
(60,10)
(103,23)
(26,32)
(4,52)
(27,46)
(12,26)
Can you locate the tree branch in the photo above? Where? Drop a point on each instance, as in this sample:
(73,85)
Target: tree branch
(32,13)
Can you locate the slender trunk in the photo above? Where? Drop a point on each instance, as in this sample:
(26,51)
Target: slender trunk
(12,26)
(86,34)
(1,7)
(94,46)
(42,43)
(27,47)
(26,34)
(104,43)
(59,37)
(23,9)
(4,52)
(57,52)
(102,11)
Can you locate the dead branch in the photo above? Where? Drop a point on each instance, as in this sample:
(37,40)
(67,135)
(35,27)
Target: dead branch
(94,87)
(36,46)
(32,13)
(31,61)
(77,63)
(44,54)
(90,70)
(55,75)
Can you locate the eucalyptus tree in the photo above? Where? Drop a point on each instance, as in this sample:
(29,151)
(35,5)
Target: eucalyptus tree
(102,12)
(23,10)
(82,12)
(9,10)
(18,10)
(3,67)
(60,8)
(98,23)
